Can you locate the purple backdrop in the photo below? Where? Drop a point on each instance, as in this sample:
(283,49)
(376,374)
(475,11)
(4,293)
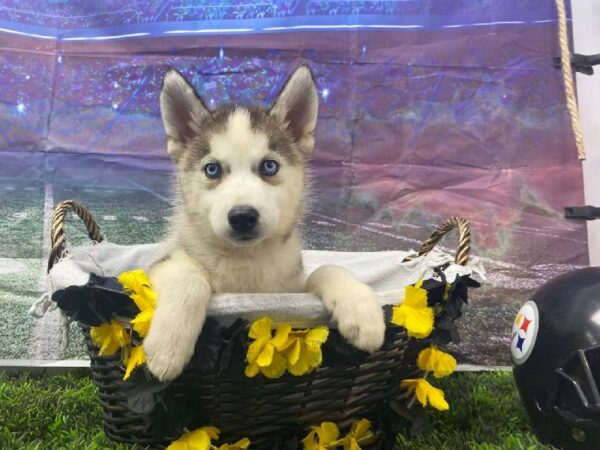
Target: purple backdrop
(428,109)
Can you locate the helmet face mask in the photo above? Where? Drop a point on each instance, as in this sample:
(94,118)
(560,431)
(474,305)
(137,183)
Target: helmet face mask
(578,382)
(559,379)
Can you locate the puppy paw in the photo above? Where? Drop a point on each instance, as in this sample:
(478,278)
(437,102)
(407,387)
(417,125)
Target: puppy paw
(165,361)
(360,320)
(183,293)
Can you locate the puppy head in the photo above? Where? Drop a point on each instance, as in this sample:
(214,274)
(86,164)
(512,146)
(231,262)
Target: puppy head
(241,171)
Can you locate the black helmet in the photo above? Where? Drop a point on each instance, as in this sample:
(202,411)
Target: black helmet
(555,349)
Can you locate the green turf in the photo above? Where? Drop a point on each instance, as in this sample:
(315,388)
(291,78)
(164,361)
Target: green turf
(21,219)
(61,412)
(485,414)
(18,289)
(21,226)
(125,216)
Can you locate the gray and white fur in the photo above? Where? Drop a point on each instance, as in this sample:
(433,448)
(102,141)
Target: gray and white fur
(241,180)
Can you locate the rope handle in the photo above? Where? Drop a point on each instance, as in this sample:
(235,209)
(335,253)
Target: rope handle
(464,239)
(57,236)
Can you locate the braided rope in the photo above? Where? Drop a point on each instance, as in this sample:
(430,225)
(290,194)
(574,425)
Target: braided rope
(58,238)
(464,240)
(567,73)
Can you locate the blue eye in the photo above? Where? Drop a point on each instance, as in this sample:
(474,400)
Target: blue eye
(269,167)
(213,170)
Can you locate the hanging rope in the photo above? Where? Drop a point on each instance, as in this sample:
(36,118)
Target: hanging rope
(565,58)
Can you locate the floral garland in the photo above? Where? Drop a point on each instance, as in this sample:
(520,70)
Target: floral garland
(299,351)
(418,318)
(201,439)
(111,337)
(273,351)
(323,437)
(327,436)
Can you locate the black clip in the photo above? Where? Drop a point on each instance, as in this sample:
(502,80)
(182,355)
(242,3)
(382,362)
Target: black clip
(582,212)
(581,63)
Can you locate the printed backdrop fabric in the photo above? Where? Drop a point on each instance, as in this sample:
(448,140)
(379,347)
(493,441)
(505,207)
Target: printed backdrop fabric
(429,109)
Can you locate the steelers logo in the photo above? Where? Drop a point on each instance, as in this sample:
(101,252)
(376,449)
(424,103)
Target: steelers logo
(524,332)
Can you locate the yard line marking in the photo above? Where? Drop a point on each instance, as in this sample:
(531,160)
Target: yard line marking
(45,339)
(46,244)
(141,187)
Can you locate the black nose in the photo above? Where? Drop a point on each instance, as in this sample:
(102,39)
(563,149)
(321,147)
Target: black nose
(243,219)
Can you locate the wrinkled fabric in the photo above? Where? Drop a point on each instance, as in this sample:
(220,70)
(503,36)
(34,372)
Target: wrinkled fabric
(383,271)
(428,109)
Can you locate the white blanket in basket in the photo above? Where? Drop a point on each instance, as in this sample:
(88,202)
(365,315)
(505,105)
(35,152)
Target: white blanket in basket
(383,271)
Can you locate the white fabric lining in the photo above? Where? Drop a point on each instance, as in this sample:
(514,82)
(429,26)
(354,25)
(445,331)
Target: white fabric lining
(383,271)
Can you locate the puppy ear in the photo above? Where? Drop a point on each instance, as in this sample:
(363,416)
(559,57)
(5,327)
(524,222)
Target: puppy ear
(180,108)
(297,107)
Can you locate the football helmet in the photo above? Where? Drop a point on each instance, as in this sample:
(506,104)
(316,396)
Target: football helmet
(555,349)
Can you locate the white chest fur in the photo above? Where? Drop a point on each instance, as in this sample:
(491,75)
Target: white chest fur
(268,267)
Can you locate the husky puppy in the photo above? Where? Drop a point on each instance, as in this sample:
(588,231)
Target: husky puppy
(241,176)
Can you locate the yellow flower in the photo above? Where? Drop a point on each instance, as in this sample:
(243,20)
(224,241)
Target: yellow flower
(137,283)
(262,355)
(138,286)
(135,358)
(141,322)
(260,331)
(242,444)
(303,352)
(110,337)
(426,393)
(297,351)
(434,360)
(199,439)
(360,434)
(413,313)
(320,437)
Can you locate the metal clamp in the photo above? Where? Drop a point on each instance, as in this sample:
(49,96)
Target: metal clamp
(582,212)
(581,63)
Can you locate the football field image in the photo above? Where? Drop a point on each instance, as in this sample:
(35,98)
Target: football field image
(427,110)
(132,206)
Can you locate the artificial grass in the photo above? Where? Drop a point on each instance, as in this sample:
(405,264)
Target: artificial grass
(62,412)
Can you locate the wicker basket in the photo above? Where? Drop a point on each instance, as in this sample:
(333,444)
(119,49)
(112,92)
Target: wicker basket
(273,413)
